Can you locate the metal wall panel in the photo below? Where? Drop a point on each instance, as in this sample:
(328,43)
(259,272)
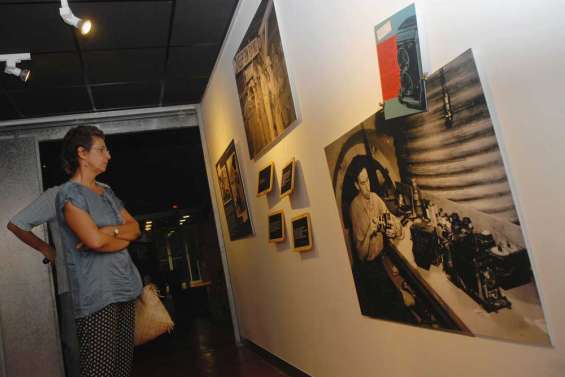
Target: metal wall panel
(2,359)
(28,327)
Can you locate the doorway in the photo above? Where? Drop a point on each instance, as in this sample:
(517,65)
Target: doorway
(161,178)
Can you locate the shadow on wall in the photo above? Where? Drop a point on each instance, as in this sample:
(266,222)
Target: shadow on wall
(299,199)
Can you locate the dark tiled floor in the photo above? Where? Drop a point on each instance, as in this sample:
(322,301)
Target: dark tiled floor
(200,348)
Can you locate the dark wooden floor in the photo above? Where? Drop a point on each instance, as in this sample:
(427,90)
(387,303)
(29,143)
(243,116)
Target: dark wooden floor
(200,348)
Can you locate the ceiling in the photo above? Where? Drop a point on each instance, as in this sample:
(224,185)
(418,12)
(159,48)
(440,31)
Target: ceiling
(145,53)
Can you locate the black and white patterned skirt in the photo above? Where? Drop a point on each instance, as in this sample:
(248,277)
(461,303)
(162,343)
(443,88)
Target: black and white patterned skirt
(106,341)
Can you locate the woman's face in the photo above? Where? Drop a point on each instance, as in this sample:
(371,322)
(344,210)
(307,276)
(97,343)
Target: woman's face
(98,156)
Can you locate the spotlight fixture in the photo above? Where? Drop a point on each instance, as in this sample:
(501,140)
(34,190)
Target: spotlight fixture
(11,60)
(67,15)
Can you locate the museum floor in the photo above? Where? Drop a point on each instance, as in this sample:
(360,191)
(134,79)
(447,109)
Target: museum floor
(201,348)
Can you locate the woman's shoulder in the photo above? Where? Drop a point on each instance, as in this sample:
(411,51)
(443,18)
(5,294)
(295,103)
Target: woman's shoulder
(69,187)
(109,192)
(71,191)
(106,188)
(103,185)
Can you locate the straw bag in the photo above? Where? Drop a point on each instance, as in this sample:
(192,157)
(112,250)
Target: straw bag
(151,317)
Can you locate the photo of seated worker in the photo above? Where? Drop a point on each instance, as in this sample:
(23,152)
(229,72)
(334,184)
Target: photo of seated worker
(373,226)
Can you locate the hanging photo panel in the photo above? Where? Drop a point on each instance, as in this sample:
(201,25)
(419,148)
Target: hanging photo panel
(302,233)
(233,194)
(264,88)
(287,178)
(276,226)
(265,179)
(400,64)
(430,226)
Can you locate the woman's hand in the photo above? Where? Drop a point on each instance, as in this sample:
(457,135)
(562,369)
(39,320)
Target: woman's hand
(89,234)
(49,253)
(108,230)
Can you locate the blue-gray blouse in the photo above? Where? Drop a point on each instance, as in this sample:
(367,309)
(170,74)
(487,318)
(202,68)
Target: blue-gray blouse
(96,279)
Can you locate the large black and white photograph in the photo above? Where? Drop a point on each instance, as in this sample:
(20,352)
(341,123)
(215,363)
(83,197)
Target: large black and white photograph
(429,221)
(265,94)
(233,194)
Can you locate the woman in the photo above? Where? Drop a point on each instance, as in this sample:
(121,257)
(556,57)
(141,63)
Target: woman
(96,230)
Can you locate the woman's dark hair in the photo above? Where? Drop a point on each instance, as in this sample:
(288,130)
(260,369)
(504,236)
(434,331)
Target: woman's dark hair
(81,136)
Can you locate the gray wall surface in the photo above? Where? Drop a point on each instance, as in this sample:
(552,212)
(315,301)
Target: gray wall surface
(28,322)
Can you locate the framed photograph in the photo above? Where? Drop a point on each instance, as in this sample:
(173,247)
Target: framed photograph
(233,194)
(276,226)
(428,219)
(265,179)
(264,88)
(301,233)
(287,178)
(400,64)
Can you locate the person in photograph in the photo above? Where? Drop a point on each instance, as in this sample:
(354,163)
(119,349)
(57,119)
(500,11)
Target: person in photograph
(386,292)
(237,188)
(38,212)
(96,230)
(223,182)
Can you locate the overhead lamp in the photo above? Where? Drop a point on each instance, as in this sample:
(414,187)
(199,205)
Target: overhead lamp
(11,60)
(186,216)
(67,15)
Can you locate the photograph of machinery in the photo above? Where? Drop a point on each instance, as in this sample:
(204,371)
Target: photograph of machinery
(265,94)
(400,64)
(428,217)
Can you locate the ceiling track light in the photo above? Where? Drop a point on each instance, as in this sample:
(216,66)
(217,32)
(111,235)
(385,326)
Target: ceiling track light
(11,60)
(67,15)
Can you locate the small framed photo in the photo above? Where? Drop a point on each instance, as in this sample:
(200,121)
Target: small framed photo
(301,233)
(276,226)
(265,179)
(287,178)
(236,210)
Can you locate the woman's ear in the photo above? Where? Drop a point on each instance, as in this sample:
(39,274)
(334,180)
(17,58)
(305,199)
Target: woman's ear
(81,152)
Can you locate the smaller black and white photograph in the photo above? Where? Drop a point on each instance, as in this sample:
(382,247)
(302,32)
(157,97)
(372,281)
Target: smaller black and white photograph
(301,233)
(265,179)
(400,64)
(276,227)
(233,194)
(263,84)
(287,178)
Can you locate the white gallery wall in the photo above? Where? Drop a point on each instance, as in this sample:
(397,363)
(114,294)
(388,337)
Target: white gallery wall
(303,307)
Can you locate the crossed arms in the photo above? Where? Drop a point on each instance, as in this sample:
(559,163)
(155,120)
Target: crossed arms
(104,239)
